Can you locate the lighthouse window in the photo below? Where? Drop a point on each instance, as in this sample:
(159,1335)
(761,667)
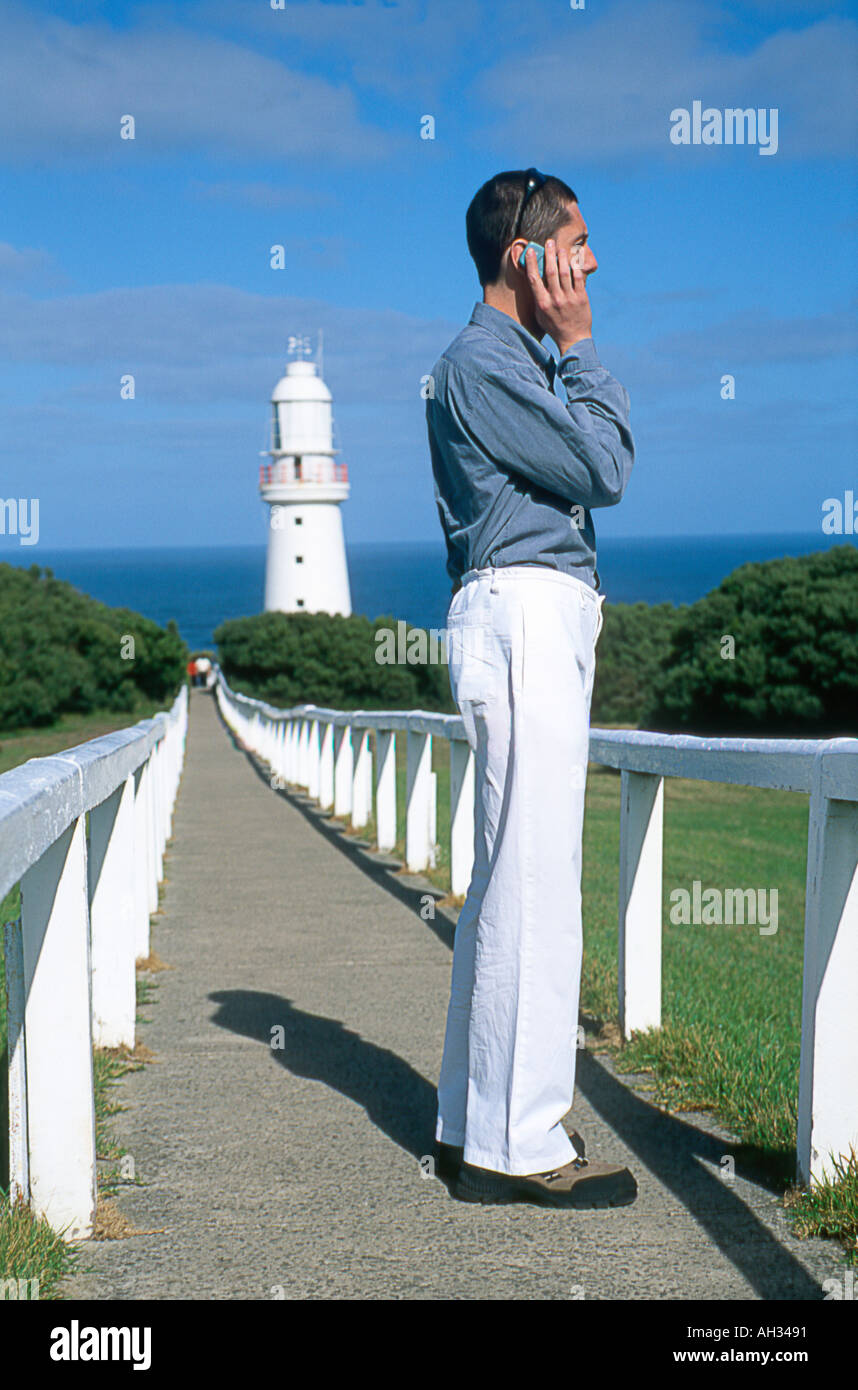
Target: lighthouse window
(299,520)
(300,602)
(299,559)
(275,430)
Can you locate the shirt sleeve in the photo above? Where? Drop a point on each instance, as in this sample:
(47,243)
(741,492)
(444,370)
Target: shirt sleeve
(455,561)
(581,450)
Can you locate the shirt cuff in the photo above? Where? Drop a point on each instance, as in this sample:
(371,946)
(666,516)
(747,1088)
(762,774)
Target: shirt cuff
(581,357)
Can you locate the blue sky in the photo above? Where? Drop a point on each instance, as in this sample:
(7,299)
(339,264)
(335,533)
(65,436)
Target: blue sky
(301,126)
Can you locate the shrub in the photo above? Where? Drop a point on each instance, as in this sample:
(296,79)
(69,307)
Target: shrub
(326,659)
(61,652)
(794,622)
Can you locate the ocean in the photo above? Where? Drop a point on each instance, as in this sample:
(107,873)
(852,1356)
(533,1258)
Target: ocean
(200,587)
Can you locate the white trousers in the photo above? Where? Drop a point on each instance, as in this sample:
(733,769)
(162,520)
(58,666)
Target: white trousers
(521,646)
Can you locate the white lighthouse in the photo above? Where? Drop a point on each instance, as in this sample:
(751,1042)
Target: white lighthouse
(305,570)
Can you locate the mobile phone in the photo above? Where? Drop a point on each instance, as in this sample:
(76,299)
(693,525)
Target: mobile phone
(575,259)
(540,256)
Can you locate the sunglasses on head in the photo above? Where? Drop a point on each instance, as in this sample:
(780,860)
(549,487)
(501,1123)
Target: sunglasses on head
(535,180)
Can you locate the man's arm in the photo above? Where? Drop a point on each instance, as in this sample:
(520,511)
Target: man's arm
(581,451)
(455,562)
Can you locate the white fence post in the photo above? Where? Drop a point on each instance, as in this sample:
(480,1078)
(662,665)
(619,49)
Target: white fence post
(162,804)
(418,794)
(314,755)
(326,767)
(158,788)
(271,753)
(828,1073)
(461,815)
(641,832)
(111,870)
(304,755)
(292,752)
(141,863)
(362,781)
(385,789)
(433,819)
(343,770)
(153,858)
(16,994)
(61,1112)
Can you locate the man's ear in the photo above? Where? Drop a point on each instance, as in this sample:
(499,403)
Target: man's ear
(513,253)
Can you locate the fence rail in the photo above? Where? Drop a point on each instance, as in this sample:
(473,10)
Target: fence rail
(327,753)
(70,956)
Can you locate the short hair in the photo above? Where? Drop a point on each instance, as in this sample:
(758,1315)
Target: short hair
(491,218)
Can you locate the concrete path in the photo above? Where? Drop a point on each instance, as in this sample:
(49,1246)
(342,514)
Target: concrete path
(296,1172)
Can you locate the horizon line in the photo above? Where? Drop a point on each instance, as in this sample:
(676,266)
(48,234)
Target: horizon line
(824,538)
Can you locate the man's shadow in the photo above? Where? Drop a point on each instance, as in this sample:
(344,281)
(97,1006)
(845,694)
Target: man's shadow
(402,1103)
(396,1098)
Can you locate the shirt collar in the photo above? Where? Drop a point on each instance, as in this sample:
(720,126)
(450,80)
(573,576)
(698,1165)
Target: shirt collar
(510,331)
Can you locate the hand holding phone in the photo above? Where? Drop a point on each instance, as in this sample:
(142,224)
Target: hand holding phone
(574,259)
(560,300)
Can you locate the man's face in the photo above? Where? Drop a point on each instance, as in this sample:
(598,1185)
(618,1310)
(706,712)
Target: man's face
(572,238)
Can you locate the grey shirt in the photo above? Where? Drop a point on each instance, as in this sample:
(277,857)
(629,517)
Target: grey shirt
(517,471)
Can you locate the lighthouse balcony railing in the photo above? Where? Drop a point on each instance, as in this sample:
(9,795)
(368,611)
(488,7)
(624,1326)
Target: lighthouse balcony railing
(327,754)
(294,470)
(84,833)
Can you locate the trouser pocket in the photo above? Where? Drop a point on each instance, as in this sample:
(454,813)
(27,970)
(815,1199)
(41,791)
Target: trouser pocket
(600,602)
(470,658)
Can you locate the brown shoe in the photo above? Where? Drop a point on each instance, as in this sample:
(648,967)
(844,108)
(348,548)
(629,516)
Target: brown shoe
(579,1184)
(448,1160)
(450,1157)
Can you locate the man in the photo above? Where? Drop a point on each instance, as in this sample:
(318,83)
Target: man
(517,473)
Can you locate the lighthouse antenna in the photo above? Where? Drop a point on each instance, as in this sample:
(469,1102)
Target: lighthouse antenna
(299,346)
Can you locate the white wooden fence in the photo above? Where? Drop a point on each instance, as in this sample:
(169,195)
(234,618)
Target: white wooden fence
(70,956)
(327,753)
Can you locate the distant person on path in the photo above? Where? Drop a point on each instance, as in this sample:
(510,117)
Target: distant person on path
(517,472)
(204,671)
(192,672)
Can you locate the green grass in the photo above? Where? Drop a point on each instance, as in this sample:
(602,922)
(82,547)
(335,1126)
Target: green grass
(731,998)
(108,1067)
(831,1208)
(30,1250)
(17,745)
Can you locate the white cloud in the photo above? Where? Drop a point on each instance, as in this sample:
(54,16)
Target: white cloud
(66,86)
(606,88)
(213,343)
(408,49)
(29,264)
